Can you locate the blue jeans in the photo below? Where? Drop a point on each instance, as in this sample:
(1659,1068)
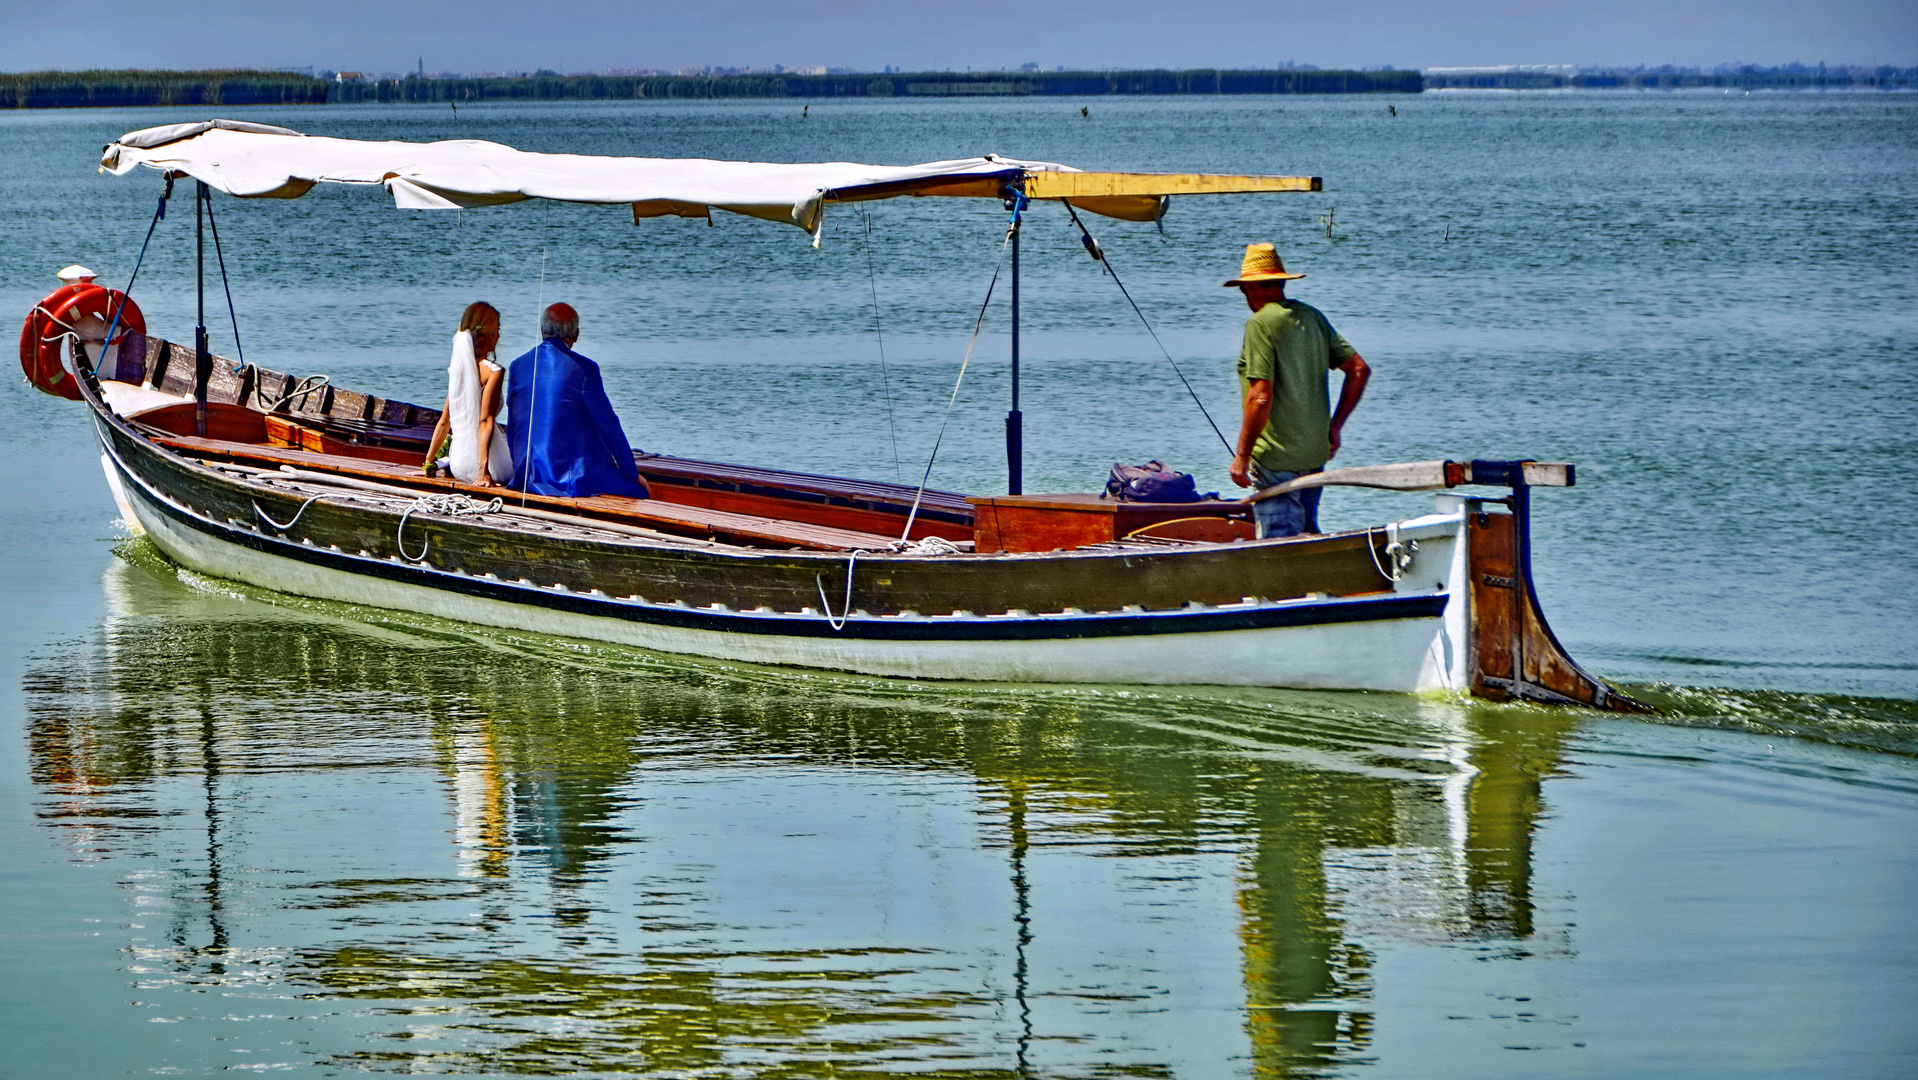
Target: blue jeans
(1285,515)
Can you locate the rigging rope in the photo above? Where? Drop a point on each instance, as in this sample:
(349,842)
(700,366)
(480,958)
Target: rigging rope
(300,389)
(919,495)
(126,294)
(885,381)
(224,284)
(1099,256)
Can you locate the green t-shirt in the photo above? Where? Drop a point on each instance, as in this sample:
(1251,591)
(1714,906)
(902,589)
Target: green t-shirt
(1292,346)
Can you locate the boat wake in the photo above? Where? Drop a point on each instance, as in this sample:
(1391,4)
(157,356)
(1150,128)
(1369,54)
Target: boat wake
(1887,725)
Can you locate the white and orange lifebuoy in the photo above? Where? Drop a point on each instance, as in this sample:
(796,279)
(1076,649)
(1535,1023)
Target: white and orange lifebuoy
(82,310)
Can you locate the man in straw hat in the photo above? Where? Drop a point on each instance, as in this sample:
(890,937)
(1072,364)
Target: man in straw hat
(1289,428)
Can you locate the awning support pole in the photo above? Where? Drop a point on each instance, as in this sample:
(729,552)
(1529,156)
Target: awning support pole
(202,359)
(1015,420)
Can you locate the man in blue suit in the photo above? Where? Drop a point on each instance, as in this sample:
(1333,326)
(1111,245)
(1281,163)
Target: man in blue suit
(562,431)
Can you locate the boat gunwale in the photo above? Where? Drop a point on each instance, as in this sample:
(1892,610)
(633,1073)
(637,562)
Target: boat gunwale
(1157,550)
(1011,626)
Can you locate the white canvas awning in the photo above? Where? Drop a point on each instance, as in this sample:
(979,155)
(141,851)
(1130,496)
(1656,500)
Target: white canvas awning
(254,161)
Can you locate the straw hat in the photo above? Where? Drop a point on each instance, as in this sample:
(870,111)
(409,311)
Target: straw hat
(1261,263)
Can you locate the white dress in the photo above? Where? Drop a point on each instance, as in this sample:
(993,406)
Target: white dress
(463,413)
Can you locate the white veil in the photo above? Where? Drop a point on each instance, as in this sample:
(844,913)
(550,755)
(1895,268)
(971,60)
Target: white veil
(463,416)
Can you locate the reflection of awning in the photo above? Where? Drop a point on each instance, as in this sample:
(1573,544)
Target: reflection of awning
(255,161)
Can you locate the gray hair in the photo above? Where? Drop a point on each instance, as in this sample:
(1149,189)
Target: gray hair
(559,321)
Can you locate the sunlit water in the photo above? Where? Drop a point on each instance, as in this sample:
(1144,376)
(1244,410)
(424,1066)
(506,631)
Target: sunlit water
(251,832)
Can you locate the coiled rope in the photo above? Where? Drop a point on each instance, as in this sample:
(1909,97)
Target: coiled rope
(449,504)
(931,545)
(445,505)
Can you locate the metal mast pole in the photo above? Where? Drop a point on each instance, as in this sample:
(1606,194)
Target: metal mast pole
(1015,420)
(202,359)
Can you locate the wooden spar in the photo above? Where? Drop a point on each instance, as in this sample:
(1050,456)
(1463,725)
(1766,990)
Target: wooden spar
(1088,185)
(1126,196)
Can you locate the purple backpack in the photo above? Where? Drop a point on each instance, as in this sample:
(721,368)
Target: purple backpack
(1151,482)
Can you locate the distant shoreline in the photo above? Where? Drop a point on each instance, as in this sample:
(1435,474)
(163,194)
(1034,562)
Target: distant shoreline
(124,89)
(1792,77)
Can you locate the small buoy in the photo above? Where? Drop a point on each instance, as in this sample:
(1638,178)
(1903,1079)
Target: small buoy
(75,274)
(803,110)
(1085,111)
(1393,109)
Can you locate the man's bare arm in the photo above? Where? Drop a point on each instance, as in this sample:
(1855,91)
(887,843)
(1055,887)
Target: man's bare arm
(1357,374)
(1258,409)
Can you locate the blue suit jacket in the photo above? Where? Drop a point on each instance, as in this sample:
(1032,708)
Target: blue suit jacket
(562,431)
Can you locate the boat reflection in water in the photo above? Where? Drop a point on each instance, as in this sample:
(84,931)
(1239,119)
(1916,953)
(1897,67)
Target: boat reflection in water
(455,848)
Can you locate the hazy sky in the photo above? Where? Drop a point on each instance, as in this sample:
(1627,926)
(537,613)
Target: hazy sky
(585,35)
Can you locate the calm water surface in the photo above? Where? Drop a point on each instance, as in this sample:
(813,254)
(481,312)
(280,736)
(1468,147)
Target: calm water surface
(249,832)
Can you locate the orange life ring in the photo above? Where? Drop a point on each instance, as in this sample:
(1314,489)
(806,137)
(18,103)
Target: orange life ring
(82,309)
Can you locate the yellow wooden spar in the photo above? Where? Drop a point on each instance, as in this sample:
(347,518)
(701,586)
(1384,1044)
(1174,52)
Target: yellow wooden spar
(1142,196)
(1081,185)
(1126,196)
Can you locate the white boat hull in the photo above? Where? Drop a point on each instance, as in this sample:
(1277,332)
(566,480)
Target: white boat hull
(1395,654)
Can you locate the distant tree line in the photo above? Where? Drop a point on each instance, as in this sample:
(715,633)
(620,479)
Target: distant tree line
(119,89)
(1789,77)
(547,86)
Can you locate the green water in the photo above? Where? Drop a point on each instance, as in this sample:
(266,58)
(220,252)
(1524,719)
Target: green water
(252,832)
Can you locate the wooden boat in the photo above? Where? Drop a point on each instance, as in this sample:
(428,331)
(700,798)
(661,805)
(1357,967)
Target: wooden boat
(303,487)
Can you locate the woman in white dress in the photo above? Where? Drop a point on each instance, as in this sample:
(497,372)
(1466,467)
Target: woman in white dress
(474,394)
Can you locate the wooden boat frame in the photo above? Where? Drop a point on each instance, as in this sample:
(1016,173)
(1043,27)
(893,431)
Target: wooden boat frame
(293,489)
